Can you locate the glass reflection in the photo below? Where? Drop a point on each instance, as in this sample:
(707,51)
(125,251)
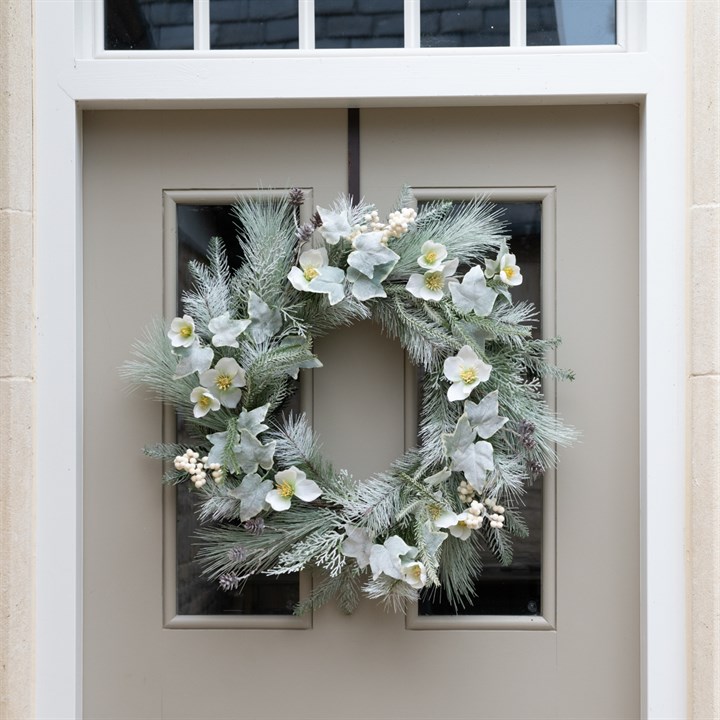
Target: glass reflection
(148,24)
(196,595)
(253,24)
(464,23)
(571,22)
(359,23)
(513,589)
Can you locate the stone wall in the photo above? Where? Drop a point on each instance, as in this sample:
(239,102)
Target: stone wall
(16,364)
(704,357)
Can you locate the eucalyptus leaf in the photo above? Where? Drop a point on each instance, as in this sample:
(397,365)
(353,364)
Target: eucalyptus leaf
(192,359)
(335,225)
(252,420)
(369,253)
(251,452)
(473,459)
(251,492)
(483,416)
(364,288)
(265,321)
(432,539)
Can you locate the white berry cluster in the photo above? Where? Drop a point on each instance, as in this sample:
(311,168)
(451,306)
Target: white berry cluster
(466,492)
(372,222)
(496,513)
(399,222)
(477,512)
(475,515)
(197,467)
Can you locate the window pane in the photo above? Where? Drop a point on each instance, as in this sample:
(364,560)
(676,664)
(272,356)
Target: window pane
(571,22)
(253,24)
(359,23)
(513,589)
(195,594)
(148,24)
(464,23)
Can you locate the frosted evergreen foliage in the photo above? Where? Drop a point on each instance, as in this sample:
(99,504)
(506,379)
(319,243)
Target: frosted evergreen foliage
(269,501)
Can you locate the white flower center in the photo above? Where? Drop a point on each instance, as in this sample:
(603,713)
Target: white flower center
(415,572)
(468,375)
(285,489)
(186,331)
(223,382)
(204,401)
(434,511)
(430,257)
(434,281)
(509,272)
(311,273)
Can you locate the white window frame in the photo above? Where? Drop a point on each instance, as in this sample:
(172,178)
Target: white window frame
(69,78)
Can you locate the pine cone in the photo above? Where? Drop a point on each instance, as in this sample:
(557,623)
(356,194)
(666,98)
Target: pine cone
(534,469)
(229,581)
(304,232)
(296,197)
(527,430)
(255,526)
(237,554)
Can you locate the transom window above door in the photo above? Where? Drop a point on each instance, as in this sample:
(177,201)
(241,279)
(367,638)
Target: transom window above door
(381,25)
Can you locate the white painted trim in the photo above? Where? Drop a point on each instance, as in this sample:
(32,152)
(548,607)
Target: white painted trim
(201,25)
(518,24)
(411,23)
(306,25)
(655,78)
(58,283)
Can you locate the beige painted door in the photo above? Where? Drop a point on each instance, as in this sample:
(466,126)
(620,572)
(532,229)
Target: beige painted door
(577,658)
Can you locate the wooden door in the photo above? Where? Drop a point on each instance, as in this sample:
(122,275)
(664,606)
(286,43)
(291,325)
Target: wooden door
(577,656)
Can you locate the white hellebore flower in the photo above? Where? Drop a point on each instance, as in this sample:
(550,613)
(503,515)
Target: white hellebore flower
(414,574)
(182,331)
(466,371)
(289,483)
(509,271)
(225,381)
(432,256)
(440,515)
(311,262)
(504,266)
(431,285)
(225,330)
(461,529)
(316,276)
(204,401)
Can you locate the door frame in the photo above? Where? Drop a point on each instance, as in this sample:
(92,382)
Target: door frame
(68,79)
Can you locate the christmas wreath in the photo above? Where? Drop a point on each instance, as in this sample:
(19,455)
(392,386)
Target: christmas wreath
(438,279)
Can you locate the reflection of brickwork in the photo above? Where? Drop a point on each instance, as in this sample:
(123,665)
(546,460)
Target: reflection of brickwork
(465,23)
(542,23)
(260,24)
(253,24)
(359,23)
